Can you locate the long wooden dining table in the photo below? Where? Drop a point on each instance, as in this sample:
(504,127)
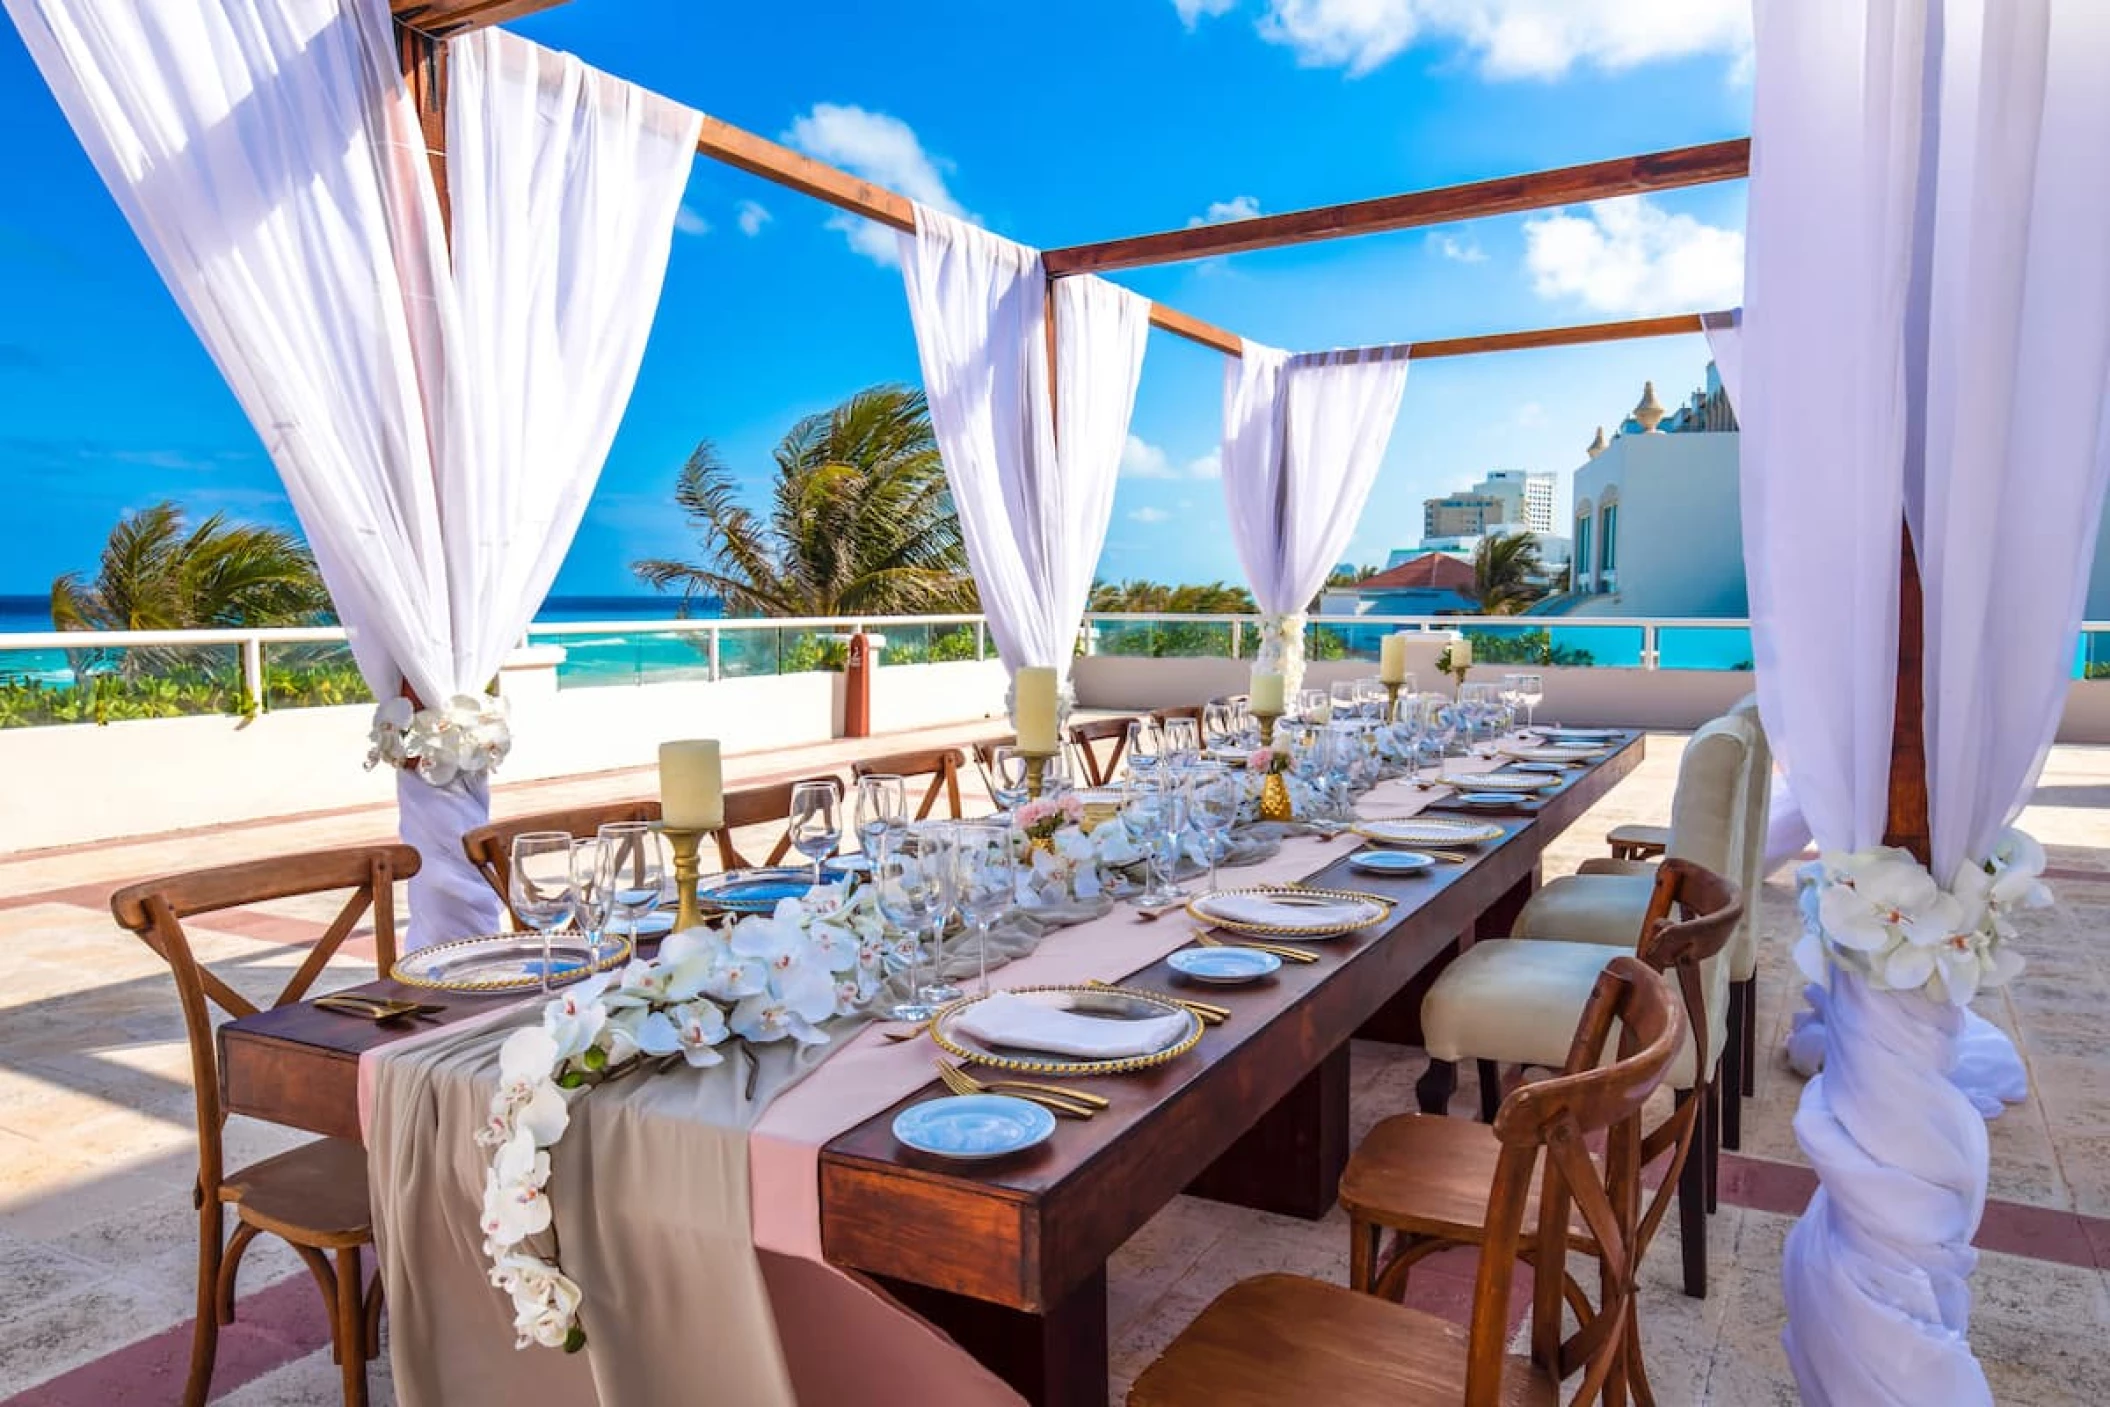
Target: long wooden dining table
(1010,1258)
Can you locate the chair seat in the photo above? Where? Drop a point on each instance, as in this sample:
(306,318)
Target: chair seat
(1638,842)
(313,1195)
(1428,1175)
(1600,864)
(1588,908)
(1518,1000)
(1282,1338)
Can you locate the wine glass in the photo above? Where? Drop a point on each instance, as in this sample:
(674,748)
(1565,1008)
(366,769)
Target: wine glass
(1146,747)
(1008,777)
(540,886)
(909,899)
(1219,724)
(816,821)
(1312,705)
(1183,741)
(882,807)
(1142,812)
(1215,795)
(639,870)
(1345,700)
(983,880)
(592,901)
(1531,692)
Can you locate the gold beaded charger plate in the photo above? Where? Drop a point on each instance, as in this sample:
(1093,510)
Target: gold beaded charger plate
(1428,830)
(1289,910)
(1112,1004)
(1501,781)
(507,962)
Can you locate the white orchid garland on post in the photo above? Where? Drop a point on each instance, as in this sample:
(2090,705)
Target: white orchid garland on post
(1880,913)
(469,734)
(766,979)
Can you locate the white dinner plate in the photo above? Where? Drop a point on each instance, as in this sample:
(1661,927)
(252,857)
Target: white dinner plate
(1224,967)
(973,1127)
(1392,861)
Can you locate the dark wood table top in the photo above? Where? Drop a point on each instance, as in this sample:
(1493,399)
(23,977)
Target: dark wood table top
(890,1211)
(1024,1231)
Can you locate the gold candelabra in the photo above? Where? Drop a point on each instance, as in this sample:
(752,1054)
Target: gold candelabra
(1267,727)
(1036,772)
(687,871)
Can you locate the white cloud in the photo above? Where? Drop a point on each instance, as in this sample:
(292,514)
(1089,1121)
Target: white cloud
(1192,11)
(752,217)
(688,222)
(1238,207)
(1463,251)
(1508,38)
(1149,515)
(1140,459)
(1632,257)
(881,149)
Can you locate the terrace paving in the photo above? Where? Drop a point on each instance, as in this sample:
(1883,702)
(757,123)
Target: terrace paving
(97,1150)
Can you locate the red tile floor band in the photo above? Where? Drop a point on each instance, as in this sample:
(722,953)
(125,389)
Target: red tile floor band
(279,1325)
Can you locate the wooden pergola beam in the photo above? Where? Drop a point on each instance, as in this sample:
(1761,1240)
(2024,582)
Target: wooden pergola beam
(443,19)
(1507,195)
(1580,335)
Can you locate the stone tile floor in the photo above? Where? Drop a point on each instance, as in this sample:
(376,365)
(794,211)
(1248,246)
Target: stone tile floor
(97,1149)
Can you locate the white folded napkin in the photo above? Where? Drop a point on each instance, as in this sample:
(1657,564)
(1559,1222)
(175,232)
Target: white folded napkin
(1024,1024)
(1258,908)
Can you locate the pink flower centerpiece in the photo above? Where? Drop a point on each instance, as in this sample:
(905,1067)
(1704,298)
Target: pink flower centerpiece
(1040,819)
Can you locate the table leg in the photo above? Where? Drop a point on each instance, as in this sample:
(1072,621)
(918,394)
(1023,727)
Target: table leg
(1055,1359)
(1291,1161)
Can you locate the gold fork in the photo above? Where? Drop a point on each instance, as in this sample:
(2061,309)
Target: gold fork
(1075,1104)
(1287,954)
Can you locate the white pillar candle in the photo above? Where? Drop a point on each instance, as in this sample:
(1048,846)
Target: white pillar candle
(1392,658)
(1033,708)
(691,785)
(1461,653)
(1265,692)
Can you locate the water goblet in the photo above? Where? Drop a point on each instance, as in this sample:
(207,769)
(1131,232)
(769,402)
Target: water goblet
(1183,741)
(638,870)
(984,880)
(816,821)
(592,900)
(1531,692)
(1312,705)
(1345,700)
(909,899)
(540,886)
(882,807)
(1008,777)
(1146,747)
(1215,795)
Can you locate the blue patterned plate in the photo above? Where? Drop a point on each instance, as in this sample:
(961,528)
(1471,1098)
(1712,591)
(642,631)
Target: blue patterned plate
(1392,861)
(1225,966)
(755,891)
(973,1126)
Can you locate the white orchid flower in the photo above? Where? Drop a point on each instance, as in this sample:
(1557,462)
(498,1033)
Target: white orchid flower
(699,1028)
(545,1301)
(766,1019)
(545,1115)
(514,1205)
(573,1020)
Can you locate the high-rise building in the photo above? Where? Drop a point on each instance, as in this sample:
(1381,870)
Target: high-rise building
(1527,496)
(1461,514)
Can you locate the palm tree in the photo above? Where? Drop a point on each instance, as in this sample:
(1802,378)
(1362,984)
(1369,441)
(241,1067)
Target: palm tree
(1145,597)
(1507,574)
(860,521)
(160,573)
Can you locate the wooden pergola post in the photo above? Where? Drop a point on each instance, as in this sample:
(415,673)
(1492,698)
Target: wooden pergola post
(1907,823)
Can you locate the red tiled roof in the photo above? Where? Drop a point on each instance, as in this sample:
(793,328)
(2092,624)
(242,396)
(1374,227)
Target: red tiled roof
(1432,569)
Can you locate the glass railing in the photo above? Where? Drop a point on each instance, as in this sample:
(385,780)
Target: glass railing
(108,677)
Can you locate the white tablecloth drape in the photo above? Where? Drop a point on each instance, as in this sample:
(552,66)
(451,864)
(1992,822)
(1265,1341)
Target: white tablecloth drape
(1035,491)
(1303,439)
(439,424)
(1925,237)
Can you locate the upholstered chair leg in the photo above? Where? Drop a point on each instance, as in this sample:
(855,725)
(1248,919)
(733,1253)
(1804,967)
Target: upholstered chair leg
(1490,1090)
(1692,1208)
(205,1329)
(1711,1127)
(1433,1091)
(1747,1037)
(348,1327)
(1732,1076)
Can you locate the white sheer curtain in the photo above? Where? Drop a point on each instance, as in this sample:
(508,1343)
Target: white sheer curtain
(1926,227)
(1033,507)
(269,159)
(1303,439)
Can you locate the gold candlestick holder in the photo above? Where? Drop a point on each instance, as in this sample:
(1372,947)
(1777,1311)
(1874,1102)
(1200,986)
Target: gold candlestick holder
(1267,727)
(1036,772)
(687,871)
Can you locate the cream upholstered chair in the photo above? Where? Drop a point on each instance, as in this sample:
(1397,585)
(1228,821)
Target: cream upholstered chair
(1740,1057)
(1507,1003)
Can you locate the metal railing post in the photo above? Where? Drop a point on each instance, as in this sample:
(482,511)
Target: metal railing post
(1648,647)
(981,641)
(715,675)
(1237,637)
(253,672)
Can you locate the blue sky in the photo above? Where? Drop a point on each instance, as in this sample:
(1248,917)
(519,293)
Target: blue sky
(1055,122)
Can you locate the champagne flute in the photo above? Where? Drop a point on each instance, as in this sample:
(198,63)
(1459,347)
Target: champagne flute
(593,901)
(882,808)
(816,821)
(540,887)
(639,868)
(1531,692)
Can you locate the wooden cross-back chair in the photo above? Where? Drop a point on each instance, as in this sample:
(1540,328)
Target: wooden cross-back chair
(1088,735)
(1162,715)
(313,1196)
(940,764)
(759,806)
(1275,1337)
(1423,1178)
(490,847)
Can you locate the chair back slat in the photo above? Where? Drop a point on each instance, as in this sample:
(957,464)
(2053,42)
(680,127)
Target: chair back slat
(1087,735)
(1556,1117)
(941,765)
(759,806)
